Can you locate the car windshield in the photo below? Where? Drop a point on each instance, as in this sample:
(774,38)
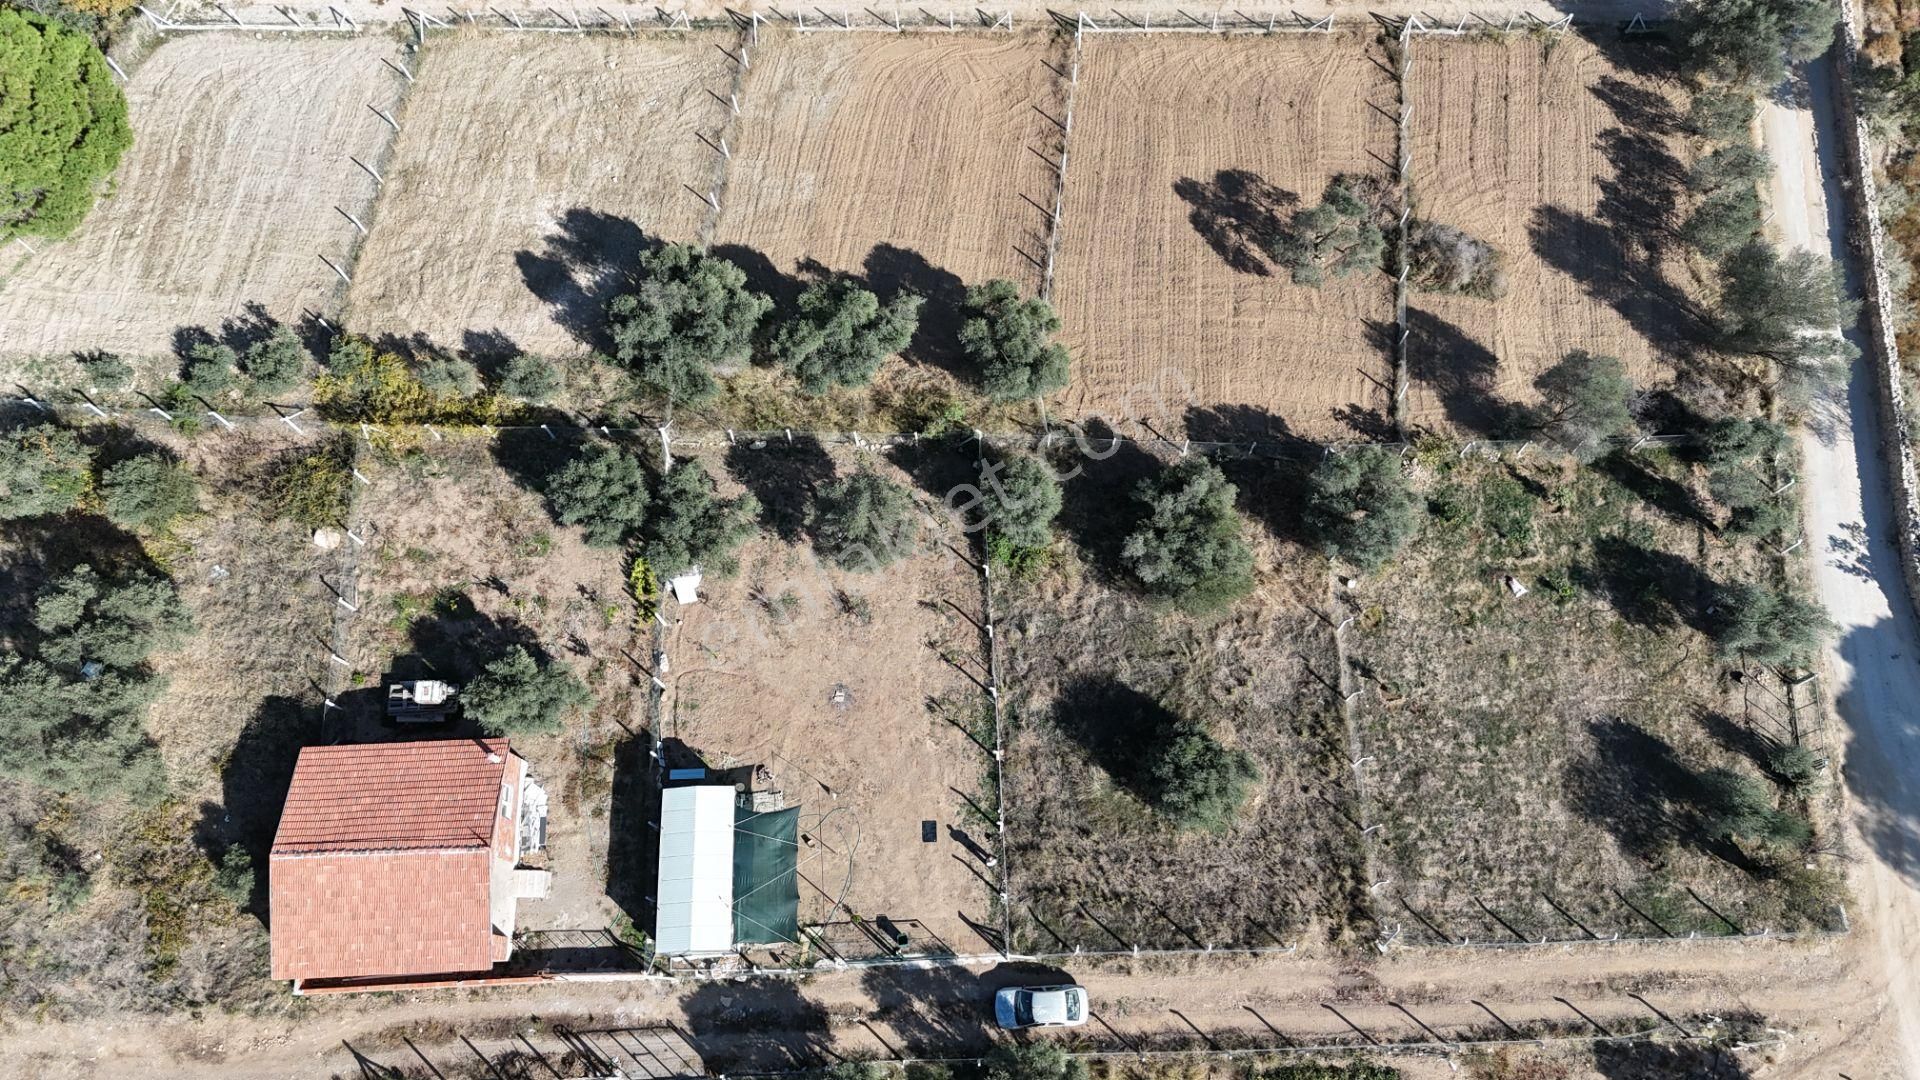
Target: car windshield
(1073,1004)
(1023,1007)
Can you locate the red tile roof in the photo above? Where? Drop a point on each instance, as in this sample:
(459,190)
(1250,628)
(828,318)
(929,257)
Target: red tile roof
(382,865)
(393,796)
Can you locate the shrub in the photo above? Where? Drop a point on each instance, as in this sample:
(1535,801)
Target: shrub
(1771,625)
(1507,507)
(314,487)
(690,525)
(235,877)
(1770,520)
(1021,497)
(85,619)
(1740,807)
(841,332)
(83,736)
(63,125)
(1010,340)
(688,313)
(530,379)
(275,364)
(43,470)
(1337,237)
(208,369)
(1196,782)
(864,521)
(449,377)
(1587,400)
(1735,450)
(1359,506)
(1441,258)
(1794,767)
(147,491)
(1188,546)
(364,385)
(517,695)
(106,371)
(604,491)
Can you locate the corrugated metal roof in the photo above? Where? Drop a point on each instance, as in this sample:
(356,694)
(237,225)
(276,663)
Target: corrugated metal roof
(696,871)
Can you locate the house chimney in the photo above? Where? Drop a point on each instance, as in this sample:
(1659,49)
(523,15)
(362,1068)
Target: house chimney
(493,758)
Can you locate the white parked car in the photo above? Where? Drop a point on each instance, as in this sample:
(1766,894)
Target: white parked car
(1040,1006)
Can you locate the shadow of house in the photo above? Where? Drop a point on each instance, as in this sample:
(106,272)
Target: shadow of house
(889,270)
(633,835)
(590,260)
(1239,214)
(254,785)
(784,478)
(758,1025)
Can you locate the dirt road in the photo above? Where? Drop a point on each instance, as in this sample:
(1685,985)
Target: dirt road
(1874,667)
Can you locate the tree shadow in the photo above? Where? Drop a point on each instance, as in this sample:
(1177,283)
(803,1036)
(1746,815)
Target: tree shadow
(932,1012)
(1663,493)
(1635,786)
(1116,725)
(783,478)
(764,1024)
(1641,1060)
(1098,509)
(254,784)
(1239,423)
(889,270)
(489,351)
(453,640)
(764,277)
(1238,213)
(1648,588)
(943,468)
(1462,374)
(531,458)
(584,264)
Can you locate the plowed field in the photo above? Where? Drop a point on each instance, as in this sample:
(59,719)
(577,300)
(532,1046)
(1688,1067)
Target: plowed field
(1562,161)
(530,172)
(227,197)
(1179,143)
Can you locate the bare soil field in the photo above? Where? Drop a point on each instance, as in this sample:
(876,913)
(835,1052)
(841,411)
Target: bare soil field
(1181,145)
(857,693)
(1551,748)
(916,162)
(227,197)
(441,601)
(1562,153)
(530,173)
(1087,663)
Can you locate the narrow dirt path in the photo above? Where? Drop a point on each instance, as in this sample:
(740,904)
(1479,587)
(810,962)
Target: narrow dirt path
(1874,667)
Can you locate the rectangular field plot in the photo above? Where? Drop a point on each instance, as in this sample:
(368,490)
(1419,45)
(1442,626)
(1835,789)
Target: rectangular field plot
(1094,675)
(1562,747)
(1564,162)
(227,197)
(530,171)
(915,161)
(1183,149)
(854,695)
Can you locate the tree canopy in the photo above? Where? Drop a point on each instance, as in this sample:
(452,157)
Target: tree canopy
(1196,782)
(1010,340)
(1771,625)
(518,695)
(686,314)
(863,521)
(689,525)
(604,491)
(1337,237)
(1188,546)
(1586,400)
(530,379)
(1751,42)
(63,125)
(1040,1059)
(1021,497)
(840,333)
(43,470)
(1360,507)
(1787,309)
(147,491)
(275,363)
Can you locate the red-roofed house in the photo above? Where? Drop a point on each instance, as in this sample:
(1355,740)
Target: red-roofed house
(397,861)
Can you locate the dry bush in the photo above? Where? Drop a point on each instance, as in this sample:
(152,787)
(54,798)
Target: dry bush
(1442,258)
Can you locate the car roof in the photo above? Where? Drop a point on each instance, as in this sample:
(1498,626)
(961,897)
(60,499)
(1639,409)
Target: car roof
(1050,1004)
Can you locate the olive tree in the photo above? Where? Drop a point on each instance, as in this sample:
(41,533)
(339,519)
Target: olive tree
(1586,400)
(1188,545)
(1337,237)
(1196,782)
(530,379)
(840,333)
(688,524)
(1020,498)
(863,521)
(63,125)
(275,363)
(1751,42)
(604,491)
(686,314)
(518,695)
(449,377)
(147,491)
(43,470)
(1771,625)
(1359,506)
(1010,340)
(1787,309)
(84,618)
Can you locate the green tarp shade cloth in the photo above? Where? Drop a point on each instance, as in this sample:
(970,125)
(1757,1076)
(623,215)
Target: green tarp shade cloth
(766,883)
